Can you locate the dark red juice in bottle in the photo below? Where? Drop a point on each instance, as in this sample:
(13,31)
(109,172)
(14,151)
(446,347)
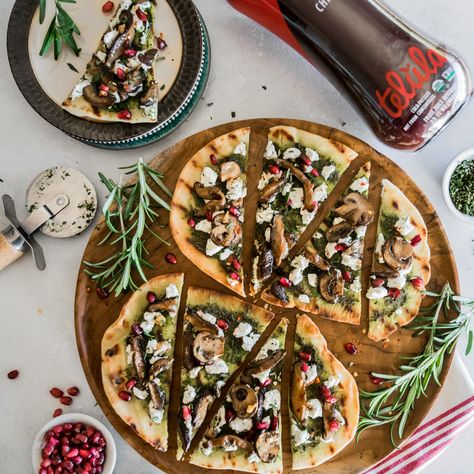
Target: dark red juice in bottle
(407,87)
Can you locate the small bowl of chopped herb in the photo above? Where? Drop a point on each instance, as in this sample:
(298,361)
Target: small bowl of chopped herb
(458,186)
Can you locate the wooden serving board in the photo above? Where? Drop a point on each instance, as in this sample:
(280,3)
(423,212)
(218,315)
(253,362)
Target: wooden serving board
(93,316)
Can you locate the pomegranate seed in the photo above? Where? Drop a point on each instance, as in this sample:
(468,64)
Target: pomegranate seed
(325,391)
(213,158)
(73,391)
(229,415)
(416,240)
(13,374)
(46,462)
(73,453)
(304,367)
(65,449)
(120,73)
(418,283)
(161,43)
(141,15)
(274,169)
(394,293)
(67,427)
(376,380)
(57,412)
(233,211)
(85,453)
(236,264)
(58,429)
(315,172)
(151,297)
(289,202)
(376,282)
(333,425)
(262,425)
(209,216)
(171,258)
(125,396)
(305,160)
(266,383)
(101,293)
(48,449)
(87,466)
(234,276)
(350,348)
(186,412)
(346,276)
(137,329)
(285,282)
(274,424)
(331,400)
(222,324)
(340,247)
(305,356)
(130,384)
(54,441)
(66,400)
(80,438)
(67,465)
(130,53)
(104,88)
(56,392)
(107,7)
(191,222)
(124,115)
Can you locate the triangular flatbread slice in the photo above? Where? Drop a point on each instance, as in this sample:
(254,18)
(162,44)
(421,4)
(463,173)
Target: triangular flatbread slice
(207,210)
(119,82)
(324,400)
(400,266)
(137,358)
(325,277)
(300,170)
(245,433)
(219,332)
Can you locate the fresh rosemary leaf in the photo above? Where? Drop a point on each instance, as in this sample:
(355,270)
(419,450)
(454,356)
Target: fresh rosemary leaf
(72,67)
(42,9)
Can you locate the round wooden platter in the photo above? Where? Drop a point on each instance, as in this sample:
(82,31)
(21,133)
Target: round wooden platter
(93,316)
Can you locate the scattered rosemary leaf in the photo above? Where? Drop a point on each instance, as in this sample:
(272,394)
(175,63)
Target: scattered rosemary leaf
(72,67)
(210,104)
(162,88)
(264,88)
(461,187)
(232,114)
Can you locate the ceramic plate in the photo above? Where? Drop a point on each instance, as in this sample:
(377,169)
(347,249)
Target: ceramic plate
(45,83)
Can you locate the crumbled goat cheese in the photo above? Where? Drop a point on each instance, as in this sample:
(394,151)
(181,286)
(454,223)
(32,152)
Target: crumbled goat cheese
(397,282)
(360,185)
(212,248)
(311,374)
(328,171)
(320,194)
(291,154)
(235,189)
(241,149)
(194,372)
(376,293)
(77,91)
(296,198)
(204,226)
(312,279)
(217,367)
(249,341)
(189,394)
(404,226)
(303,299)
(141,394)
(314,408)
(109,38)
(351,261)
(271,400)
(171,291)
(330,249)
(156,414)
(311,154)
(225,254)
(299,436)
(265,215)
(307,216)
(241,424)
(208,177)
(333,381)
(355,286)
(243,329)
(270,151)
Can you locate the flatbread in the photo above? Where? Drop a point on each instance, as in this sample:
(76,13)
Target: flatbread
(305,291)
(116,370)
(342,386)
(186,204)
(244,324)
(386,315)
(308,167)
(77,105)
(248,460)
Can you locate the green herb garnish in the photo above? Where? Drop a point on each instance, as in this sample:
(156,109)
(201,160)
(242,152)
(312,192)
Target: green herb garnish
(461,187)
(393,404)
(128,211)
(72,67)
(61,30)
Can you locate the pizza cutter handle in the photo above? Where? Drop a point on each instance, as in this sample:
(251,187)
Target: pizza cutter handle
(8,252)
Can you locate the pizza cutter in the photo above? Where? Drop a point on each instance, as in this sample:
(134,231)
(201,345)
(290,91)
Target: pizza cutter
(61,202)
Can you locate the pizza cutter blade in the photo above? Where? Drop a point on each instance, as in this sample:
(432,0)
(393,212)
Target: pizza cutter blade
(61,202)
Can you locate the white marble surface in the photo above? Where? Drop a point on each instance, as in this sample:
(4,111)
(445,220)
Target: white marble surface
(36,314)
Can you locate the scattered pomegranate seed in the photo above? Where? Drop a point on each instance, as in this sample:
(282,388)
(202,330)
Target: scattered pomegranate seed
(233,211)
(394,293)
(415,241)
(130,384)
(289,202)
(222,324)
(304,367)
(66,400)
(186,412)
(108,7)
(376,282)
(130,53)
(209,216)
(124,114)
(57,412)
(137,329)
(191,222)
(266,383)
(305,160)
(340,247)
(213,159)
(13,374)
(125,396)
(262,425)
(151,297)
(376,380)
(236,264)
(141,15)
(101,293)
(285,282)
(315,172)
(418,283)
(234,276)
(171,258)
(274,169)
(229,415)
(274,424)
(161,43)
(73,391)
(56,392)
(351,348)
(346,276)
(104,88)
(120,73)
(305,356)
(333,425)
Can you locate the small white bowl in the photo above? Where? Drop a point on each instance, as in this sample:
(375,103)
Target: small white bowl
(110,450)
(465,155)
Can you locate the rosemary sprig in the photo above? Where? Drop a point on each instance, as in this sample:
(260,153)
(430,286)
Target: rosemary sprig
(393,404)
(128,211)
(61,29)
